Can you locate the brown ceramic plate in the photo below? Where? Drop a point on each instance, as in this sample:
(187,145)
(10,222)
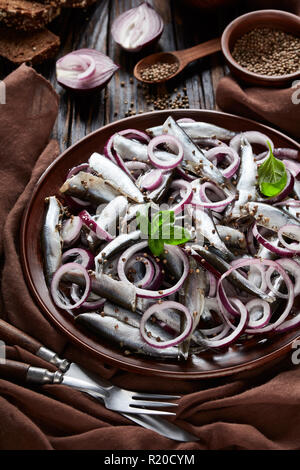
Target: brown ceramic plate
(236,359)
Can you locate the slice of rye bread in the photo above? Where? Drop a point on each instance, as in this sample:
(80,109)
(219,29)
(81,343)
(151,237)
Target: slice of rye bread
(22,46)
(28,16)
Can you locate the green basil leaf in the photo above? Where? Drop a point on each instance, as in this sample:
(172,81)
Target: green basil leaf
(156,246)
(178,236)
(162,218)
(272,175)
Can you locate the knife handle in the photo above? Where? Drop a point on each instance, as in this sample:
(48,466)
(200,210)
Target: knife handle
(14,370)
(13,336)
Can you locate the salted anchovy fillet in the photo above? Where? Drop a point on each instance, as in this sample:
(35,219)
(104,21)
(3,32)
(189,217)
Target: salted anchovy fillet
(118,292)
(115,177)
(205,226)
(89,187)
(197,130)
(231,236)
(129,149)
(269,216)
(195,159)
(111,214)
(234,277)
(192,296)
(120,243)
(246,182)
(124,334)
(51,237)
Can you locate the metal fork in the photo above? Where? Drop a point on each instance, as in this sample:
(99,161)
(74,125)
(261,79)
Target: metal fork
(115,398)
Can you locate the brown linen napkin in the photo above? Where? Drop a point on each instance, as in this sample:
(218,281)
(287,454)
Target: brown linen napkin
(258,413)
(278,106)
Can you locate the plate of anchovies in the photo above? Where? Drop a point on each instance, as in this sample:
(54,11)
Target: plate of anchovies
(168,244)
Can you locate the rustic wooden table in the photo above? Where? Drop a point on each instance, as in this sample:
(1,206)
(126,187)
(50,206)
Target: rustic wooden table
(90,28)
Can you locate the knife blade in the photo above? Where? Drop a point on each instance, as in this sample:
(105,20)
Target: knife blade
(13,336)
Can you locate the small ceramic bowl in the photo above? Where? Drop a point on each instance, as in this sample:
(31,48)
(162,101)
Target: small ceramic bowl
(276,19)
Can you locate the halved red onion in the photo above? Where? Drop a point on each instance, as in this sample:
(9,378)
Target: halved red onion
(186,192)
(153,294)
(70,232)
(231,153)
(162,306)
(292,231)
(80,256)
(137,28)
(175,160)
(152,180)
(61,299)
(90,223)
(235,331)
(269,245)
(258,319)
(85,69)
(248,262)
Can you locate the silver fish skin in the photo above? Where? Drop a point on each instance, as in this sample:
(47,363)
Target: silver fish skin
(206,228)
(122,334)
(128,149)
(121,242)
(89,188)
(156,195)
(231,236)
(118,292)
(198,130)
(111,214)
(115,177)
(247,181)
(193,154)
(269,216)
(51,237)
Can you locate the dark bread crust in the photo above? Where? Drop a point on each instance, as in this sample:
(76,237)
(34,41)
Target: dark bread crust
(28,16)
(34,47)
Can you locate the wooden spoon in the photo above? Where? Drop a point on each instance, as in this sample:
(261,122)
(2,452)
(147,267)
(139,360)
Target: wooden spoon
(180,58)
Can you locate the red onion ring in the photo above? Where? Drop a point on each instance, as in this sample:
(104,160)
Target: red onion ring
(83,257)
(186,198)
(207,204)
(290,229)
(165,139)
(153,294)
(229,152)
(71,228)
(61,300)
(150,271)
(253,137)
(253,322)
(152,180)
(267,244)
(166,305)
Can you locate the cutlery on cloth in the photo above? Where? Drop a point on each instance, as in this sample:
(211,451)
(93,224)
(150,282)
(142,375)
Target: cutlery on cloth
(13,336)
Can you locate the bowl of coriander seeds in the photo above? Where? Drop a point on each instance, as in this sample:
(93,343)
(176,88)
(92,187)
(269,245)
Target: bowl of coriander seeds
(263,47)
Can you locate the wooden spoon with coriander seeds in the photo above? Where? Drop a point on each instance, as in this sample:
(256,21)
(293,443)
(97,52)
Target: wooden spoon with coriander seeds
(162,66)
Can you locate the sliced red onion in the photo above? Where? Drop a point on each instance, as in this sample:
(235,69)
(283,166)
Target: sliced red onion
(135,134)
(175,159)
(288,203)
(81,255)
(137,28)
(185,175)
(292,231)
(153,294)
(162,306)
(236,331)
(280,153)
(61,299)
(289,324)
(286,279)
(253,137)
(270,246)
(294,167)
(187,195)
(197,200)
(149,270)
(292,267)
(90,223)
(152,180)
(85,69)
(212,284)
(74,203)
(70,232)
(77,169)
(256,321)
(231,153)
